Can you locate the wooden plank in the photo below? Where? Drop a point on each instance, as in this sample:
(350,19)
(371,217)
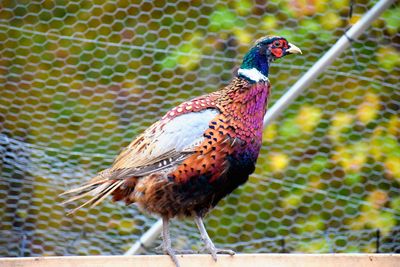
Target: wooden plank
(239,260)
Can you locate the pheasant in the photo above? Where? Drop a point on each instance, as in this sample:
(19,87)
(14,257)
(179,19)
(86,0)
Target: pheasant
(198,153)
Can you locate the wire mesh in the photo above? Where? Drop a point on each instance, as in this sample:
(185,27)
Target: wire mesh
(80,79)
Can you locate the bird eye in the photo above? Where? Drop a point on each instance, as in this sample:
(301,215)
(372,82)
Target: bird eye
(277,44)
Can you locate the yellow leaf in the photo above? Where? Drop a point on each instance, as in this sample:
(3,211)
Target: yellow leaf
(384,221)
(308,118)
(392,165)
(192,58)
(340,4)
(314,245)
(368,109)
(340,121)
(315,181)
(354,19)
(292,200)
(388,58)
(375,148)
(320,5)
(243,36)
(270,133)
(372,217)
(330,21)
(351,157)
(270,23)
(278,161)
(310,224)
(377,198)
(394,125)
(243,7)
(395,204)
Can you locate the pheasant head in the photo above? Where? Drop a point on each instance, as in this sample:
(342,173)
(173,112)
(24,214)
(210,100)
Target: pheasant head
(255,66)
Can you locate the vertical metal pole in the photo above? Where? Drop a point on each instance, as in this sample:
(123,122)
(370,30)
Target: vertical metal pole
(378,240)
(352,34)
(329,242)
(146,239)
(23,244)
(283,245)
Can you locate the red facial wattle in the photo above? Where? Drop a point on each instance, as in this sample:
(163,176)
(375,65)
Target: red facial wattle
(278,47)
(277,52)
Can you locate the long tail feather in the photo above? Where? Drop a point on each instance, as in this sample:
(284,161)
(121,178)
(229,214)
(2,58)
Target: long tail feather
(81,188)
(109,191)
(83,193)
(99,187)
(77,208)
(98,194)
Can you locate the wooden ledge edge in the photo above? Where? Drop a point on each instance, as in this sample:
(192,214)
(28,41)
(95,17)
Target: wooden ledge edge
(201,260)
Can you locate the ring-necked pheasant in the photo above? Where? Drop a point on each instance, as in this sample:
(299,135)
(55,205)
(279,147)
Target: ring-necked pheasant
(199,152)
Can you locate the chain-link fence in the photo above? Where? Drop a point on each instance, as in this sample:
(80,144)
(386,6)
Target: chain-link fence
(80,79)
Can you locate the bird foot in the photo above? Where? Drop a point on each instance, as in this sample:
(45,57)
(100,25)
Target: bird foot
(172,254)
(185,251)
(214,251)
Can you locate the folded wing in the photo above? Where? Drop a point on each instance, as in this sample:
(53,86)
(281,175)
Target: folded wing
(162,146)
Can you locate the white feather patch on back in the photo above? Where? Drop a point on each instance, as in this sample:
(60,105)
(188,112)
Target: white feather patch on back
(253,74)
(184,131)
(165,139)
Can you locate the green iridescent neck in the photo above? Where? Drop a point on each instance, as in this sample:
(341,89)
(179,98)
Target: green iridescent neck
(257,59)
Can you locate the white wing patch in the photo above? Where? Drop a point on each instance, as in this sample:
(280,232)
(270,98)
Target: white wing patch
(253,74)
(165,140)
(184,131)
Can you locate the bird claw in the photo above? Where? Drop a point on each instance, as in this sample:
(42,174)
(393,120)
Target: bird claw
(221,251)
(226,251)
(214,251)
(172,254)
(185,251)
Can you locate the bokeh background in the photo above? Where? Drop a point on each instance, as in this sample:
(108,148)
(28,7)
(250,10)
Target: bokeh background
(80,79)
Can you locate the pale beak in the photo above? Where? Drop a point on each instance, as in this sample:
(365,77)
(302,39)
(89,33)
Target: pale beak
(293,49)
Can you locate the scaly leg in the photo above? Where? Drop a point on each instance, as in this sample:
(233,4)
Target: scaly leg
(167,242)
(207,241)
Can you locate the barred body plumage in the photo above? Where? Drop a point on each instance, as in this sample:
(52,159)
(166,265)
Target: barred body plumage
(199,152)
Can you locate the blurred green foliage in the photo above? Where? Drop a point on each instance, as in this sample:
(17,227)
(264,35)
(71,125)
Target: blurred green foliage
(318,184)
